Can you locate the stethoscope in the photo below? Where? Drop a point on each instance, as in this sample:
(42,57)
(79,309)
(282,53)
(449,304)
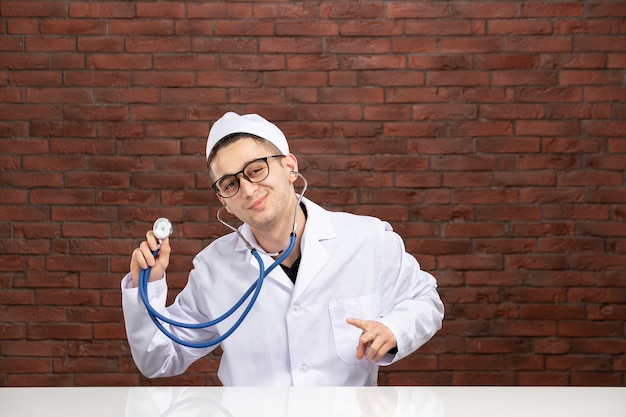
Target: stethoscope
(162,229)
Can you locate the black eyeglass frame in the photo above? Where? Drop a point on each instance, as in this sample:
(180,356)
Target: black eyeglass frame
(243,173)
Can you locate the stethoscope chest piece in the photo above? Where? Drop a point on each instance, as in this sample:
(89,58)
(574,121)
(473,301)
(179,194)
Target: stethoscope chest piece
(162,228)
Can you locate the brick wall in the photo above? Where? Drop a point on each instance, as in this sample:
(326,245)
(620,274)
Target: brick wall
(491,134)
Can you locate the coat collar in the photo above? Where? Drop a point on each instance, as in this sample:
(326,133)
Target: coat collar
(318,228)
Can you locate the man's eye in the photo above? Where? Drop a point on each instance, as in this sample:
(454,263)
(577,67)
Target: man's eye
(255,171)
(228,184)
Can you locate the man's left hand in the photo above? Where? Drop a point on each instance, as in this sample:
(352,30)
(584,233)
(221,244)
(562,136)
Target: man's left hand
(375,341)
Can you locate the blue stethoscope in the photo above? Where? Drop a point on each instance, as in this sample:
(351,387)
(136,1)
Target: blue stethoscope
(163,228)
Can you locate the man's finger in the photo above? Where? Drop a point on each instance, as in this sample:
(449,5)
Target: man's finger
(376,351)
(361,324)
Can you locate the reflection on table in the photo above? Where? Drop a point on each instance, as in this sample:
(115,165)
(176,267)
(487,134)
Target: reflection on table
(314,402)
(302,402)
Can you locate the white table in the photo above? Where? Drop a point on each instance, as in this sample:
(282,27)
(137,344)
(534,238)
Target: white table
(314,402)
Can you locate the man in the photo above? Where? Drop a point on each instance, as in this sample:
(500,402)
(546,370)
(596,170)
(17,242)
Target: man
(347,299)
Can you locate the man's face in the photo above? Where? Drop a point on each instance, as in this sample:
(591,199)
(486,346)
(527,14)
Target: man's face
(264,204)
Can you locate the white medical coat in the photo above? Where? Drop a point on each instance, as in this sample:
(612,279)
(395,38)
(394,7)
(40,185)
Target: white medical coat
(352,266)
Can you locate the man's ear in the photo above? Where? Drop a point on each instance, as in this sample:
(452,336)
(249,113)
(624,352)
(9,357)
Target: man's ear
(292,164)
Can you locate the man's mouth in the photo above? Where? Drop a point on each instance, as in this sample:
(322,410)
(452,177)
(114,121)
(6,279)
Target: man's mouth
(258,204)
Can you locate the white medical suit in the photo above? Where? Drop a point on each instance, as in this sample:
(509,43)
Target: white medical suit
(295,335)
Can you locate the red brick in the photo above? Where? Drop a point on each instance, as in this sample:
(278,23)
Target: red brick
(612,296)
(11,44)
(539,44)
(505,245)
(496,378)
(487,9)
(404,10)
(110,9)
(471,262)
(506,61)
(524,328)
(578,111)
(224,80)
(551,10)
(475,229)
(438,27)
(590,77)
(25,112)
(67,61)
(484,95)
(157,10)
(523,77)
(100,44)
(285,10)
(586,378)
(604,9)
(543,378)
(546,128)
(297,28)
(304,79)
(24,365)
(471,45)
(480,128)
(586,26)
(96,78)
(74,27)
(416,45)
(158,44)
(471,362)
(141,27)
(604,128)
(22,61)
(22,26)
(119,61)
(33,9)
(254,62)
(370,28)
(244,28)
(519,27)
(525,362)
(550,94)
(373,62)
(581,60)
(600,43)
(293,45)
(577,362)
(212,11)
(497,345)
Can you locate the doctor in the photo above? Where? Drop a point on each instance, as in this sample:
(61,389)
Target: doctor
(347,300)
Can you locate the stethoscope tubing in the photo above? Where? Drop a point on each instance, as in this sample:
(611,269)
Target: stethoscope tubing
(255,289)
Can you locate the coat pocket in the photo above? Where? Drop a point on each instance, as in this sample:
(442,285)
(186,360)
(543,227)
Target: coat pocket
(347,336)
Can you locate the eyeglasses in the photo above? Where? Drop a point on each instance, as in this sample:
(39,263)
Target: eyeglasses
(254,171)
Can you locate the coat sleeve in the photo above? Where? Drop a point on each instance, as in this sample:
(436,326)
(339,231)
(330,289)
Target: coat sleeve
(154,353)
(412,308)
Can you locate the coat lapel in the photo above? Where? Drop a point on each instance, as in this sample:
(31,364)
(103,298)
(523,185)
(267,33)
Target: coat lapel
(314,255)
(318,228)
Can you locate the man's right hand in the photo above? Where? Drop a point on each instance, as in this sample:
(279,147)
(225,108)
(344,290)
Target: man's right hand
(142,258)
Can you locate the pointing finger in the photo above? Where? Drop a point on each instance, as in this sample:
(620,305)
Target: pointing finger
(361,324)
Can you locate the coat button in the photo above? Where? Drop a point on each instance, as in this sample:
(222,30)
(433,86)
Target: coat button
(303,368)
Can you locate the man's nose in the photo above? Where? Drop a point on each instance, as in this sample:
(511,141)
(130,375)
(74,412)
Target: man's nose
(245,186)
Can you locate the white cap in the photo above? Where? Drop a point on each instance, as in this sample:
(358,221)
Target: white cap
(254,124)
